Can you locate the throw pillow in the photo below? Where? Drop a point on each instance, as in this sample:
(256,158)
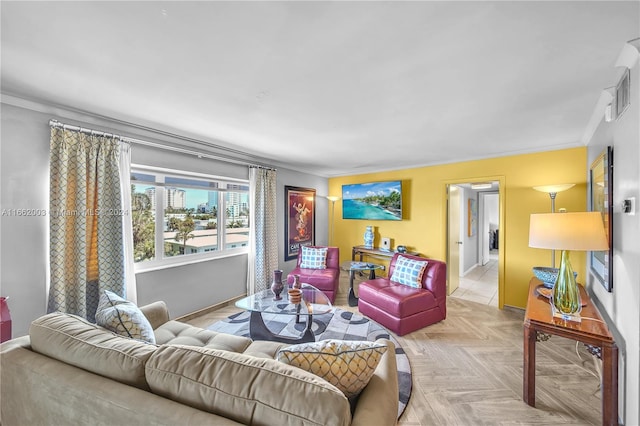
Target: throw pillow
(314,257)
(348,365)
(123,318)
(409,271)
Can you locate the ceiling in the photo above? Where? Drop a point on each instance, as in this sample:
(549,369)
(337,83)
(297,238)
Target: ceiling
(329,88)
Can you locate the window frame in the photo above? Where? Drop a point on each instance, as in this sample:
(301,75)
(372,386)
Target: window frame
(160,261)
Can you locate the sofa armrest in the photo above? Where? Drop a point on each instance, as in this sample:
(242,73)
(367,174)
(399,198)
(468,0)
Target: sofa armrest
(157,313)
(378,402)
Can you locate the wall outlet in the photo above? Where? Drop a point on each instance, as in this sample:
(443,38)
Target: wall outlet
(629,206)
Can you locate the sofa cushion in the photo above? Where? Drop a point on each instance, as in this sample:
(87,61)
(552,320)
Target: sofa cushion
(243,388)
(348,365)
(314,257)
(408,271)
(180,333)
(123,317)
(76,341)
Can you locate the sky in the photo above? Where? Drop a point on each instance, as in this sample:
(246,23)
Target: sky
(366,189)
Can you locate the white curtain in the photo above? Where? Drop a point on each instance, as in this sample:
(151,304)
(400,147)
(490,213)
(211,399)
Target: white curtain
(127,226)
(263,238)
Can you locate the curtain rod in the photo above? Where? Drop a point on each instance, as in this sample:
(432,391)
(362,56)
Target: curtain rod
(56,123)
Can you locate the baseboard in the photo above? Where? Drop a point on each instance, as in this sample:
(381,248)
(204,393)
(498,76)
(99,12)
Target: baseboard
(209,309)
(470,269)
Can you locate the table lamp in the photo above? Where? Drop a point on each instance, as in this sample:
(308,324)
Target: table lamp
(581,231)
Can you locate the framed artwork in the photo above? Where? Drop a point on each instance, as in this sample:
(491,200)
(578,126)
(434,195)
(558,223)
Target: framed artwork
(623,94)
(299,220)
(372,201)
(601,188)
(472,217)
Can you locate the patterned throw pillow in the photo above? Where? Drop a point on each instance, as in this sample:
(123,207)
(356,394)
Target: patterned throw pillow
(314,257)
(348,365)
(123,317)
(409,271)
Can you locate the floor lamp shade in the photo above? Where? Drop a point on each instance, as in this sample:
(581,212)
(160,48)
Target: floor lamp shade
(582,231)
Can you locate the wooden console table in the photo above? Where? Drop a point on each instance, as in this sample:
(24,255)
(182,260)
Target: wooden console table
(592,331)
(375,252)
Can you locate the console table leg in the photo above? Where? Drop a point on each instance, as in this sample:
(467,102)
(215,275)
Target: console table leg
(609,384)
(529,367)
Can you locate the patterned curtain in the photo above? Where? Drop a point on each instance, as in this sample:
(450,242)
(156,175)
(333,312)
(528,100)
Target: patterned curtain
(86,232)
(263,254)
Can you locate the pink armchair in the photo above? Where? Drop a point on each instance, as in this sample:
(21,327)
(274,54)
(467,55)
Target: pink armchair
(326,280)
(403,309)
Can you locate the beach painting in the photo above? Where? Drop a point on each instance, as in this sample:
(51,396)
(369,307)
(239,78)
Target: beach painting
(372,201)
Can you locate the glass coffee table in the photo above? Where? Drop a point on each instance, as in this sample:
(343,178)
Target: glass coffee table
(352,267)
(314,302)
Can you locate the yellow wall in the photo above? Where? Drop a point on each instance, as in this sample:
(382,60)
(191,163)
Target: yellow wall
(424,210)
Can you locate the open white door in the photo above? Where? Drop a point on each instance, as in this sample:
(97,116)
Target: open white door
(454,242)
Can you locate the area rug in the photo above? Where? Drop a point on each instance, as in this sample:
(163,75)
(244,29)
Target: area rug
(338,324)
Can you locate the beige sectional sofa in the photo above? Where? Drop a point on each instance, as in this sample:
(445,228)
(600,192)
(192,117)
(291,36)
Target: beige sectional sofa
(68,371)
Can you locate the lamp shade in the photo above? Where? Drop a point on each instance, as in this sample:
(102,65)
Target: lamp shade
(551,189)
(581,231)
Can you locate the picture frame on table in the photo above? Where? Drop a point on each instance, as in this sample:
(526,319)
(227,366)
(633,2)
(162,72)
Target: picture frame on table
(601,200)
(299,220)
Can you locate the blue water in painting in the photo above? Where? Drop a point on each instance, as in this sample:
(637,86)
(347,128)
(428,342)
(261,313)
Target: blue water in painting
(352,209)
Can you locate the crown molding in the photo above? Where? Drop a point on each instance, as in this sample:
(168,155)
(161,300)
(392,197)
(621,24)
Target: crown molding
(629,55)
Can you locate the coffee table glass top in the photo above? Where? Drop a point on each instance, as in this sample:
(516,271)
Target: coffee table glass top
(313,302)
(352,265)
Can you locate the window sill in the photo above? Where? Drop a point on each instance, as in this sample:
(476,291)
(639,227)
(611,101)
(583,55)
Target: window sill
(144,268)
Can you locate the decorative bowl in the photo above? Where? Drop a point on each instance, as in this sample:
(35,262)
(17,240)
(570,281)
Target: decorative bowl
(547,275)
(295,295)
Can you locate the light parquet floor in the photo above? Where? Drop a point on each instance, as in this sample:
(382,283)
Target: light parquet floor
(467,370)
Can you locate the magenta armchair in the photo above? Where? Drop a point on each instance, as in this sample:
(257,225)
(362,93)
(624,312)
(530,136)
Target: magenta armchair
(403,309)
(326,280)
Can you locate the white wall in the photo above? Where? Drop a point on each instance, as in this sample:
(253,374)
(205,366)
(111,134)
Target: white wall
(622,305)
(24,176)
(469,244)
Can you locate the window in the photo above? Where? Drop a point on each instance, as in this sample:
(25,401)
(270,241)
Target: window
(180,217)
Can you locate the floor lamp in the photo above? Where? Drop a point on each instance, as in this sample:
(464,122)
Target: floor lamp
(333,200)
(553,190)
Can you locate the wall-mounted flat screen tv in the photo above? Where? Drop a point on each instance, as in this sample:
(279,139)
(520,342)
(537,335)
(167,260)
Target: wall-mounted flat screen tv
(372,201)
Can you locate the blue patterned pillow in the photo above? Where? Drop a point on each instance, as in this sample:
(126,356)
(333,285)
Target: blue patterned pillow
(409,271)
(314,257)
(123,317)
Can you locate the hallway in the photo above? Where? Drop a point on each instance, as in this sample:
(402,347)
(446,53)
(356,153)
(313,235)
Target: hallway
(481,284)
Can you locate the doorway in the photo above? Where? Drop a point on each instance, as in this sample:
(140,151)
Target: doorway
(473,242)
